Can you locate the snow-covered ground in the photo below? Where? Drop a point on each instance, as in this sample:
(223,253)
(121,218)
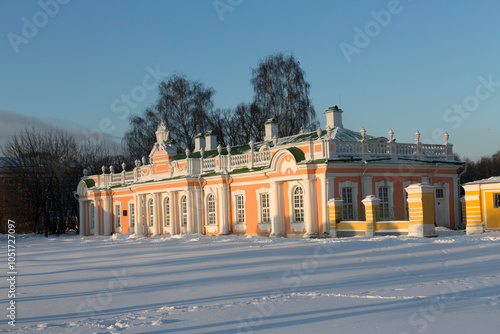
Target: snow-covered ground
(203,284)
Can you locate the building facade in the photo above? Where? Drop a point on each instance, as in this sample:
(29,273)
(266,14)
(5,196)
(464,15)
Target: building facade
(277,187)
(481,204)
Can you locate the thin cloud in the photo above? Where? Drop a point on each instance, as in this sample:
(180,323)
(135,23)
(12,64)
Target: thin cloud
(11,123)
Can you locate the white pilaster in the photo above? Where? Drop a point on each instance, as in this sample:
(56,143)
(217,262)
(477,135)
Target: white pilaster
(199,210)
(189,203)
(140,215)
(81,218)
(155,214)
(97,224)
(173,212)
(274,210)
(309,198)
(223,209)
(324,206)
(107,215)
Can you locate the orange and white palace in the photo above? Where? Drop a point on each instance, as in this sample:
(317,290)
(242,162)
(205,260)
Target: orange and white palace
(277,187)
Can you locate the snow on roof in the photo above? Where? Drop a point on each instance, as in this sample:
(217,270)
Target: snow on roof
(493,179)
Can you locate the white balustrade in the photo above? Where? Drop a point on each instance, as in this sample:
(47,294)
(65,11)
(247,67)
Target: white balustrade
(239,160)
(261,157)
(379,148)
(406,149)
(209,164)
(228,163)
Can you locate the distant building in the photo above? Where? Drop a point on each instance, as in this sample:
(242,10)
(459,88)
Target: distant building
(277,187)
(482,205)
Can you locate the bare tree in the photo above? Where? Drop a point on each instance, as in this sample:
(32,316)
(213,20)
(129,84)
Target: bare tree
(182,104)
(282,92)
(483,168)
(45,169)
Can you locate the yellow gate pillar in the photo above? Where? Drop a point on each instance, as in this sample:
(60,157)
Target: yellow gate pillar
(334,215)
(372,206)
(421,210)
(474,216)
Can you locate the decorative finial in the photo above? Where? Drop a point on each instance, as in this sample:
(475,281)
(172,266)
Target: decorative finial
(219,148)
(187,152)
(318,132)
(202,150)
(250,143)
(275,140)
(143,161)
(391,134)
(417,137)
(103,169)
(162,133)
(446,138)
(228,147)
(137,163)
(123,166)
(112,169)
(301,131)
(328,131)
(363,132)
(85,172)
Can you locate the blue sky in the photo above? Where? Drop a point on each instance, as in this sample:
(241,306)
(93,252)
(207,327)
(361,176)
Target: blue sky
(431,66)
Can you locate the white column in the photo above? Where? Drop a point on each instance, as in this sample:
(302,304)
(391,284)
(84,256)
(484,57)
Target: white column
(309,217)
(189,202)
(81,222)
(140,216)
(155,214)
(223,210)
(274,210)
(199,210)
(324,206)
(106,215)
(96,217)
(136,211)
(173,219)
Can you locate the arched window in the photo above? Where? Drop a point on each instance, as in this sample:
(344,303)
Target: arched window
(166,205)
(151,211)
(211,210)
(298,205)
(184,211)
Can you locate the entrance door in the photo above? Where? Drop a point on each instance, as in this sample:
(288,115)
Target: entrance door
(441,207)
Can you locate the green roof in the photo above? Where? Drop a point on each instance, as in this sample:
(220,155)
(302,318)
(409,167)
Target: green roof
(89,182)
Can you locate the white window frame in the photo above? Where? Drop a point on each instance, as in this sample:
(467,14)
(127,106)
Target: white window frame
(211,214)
(151,208)
(118,213)
(390,198)
(260,192)
(132,214)
(239,194)
(91,217)
(354,193)
(294,206)
(183,210)
(167,215)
